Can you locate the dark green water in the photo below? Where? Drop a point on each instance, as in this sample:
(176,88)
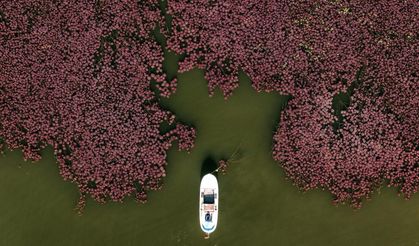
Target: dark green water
(258,206)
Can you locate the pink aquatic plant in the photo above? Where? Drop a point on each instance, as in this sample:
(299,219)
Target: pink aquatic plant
(278,43)
(222,166)
(350,161)
(314,50)
(76,75)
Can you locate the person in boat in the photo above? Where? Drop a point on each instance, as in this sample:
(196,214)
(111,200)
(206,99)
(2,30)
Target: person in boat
(208,216)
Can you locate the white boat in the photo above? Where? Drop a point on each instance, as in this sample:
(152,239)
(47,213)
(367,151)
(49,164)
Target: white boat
(208,203)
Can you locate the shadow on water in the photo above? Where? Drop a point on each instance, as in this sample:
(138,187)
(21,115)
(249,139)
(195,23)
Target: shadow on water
(209,165)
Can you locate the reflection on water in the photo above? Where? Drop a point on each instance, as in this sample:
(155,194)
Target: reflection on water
(258,207)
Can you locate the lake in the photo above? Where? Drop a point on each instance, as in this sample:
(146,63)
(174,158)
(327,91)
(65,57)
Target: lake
(258,205)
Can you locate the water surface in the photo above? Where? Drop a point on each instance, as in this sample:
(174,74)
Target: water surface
(258,206)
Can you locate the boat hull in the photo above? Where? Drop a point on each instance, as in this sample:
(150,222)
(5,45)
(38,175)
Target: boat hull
(208,203)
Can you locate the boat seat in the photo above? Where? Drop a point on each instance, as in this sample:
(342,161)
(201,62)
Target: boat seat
(208,191)
(208,207)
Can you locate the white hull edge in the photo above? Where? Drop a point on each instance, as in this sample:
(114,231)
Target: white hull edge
(208,203)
